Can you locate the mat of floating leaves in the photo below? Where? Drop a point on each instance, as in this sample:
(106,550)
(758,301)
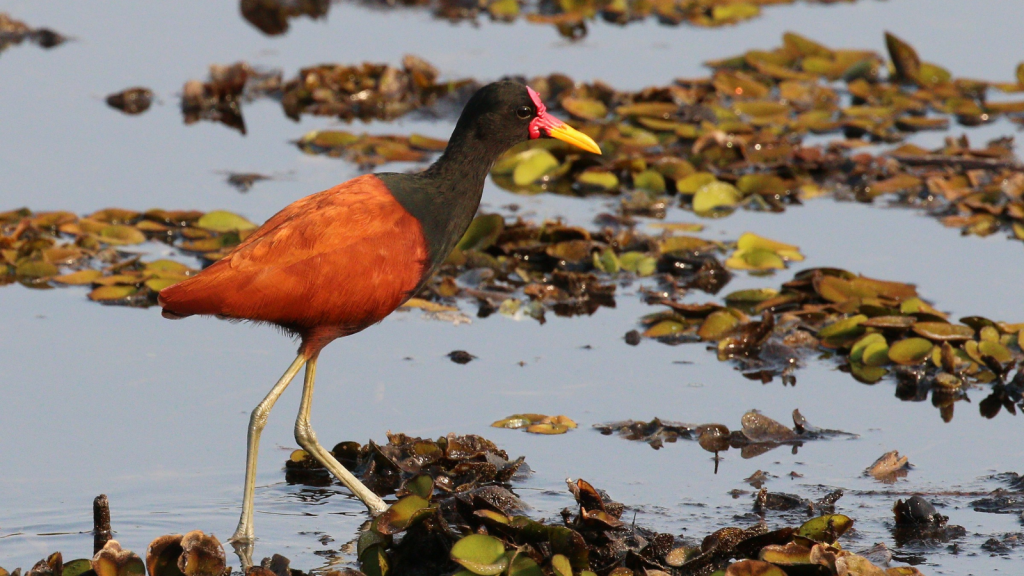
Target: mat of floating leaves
(452,463)
(369,151)
(484,532)
(757,435)
(873,327)
(734,139)
(366,91)
(569,18)
(60,248)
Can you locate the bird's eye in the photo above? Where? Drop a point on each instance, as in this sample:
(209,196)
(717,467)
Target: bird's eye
(524,112)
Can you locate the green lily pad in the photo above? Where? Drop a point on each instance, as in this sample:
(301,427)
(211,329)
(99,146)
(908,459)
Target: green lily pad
(910,351)
(826,529)
(693,182)
(421,485)
(483,231)
(791,554)
(843,331)
(639,263)
(480,554)
(533,165)
(523,565)
(751,296)
(402,514)
(650,180)
(755,259)
(119,234)
(718,325)
(857,350)
(598,179)
(715,198)
(890,322)
(995,350)
(943,332)
(35,269)
(77,567)
(867,374)
(606,261)
(876,354)
(585,108)
(224,221)
(664,328)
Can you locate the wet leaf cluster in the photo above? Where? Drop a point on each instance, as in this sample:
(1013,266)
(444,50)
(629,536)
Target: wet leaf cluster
(523,269)
(484,537)
(572,17)
(220,97)
(874,327)
(14,32)
(757,434)
(367,91)
(370,151)
(451,464)
(47,249)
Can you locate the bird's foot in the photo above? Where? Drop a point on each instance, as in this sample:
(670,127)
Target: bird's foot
(243,544)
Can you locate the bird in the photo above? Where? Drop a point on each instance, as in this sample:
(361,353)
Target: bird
(338,261)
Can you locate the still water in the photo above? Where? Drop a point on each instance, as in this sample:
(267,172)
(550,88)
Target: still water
(153,413)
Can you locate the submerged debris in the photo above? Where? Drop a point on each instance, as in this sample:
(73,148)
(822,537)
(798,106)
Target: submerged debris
(131,101)
(889,467)
(271,16)
(243,181)
(14,32)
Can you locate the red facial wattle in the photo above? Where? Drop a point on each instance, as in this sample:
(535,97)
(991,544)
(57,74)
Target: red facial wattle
(547,125)
(543,120)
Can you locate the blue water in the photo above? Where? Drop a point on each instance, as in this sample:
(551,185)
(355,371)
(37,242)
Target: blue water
(153,413)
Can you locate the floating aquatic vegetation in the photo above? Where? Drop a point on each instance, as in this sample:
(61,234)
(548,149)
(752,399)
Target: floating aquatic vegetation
(571,18)
(131,101)
(370,151)
(367,91)
(757,435)
(14,32)
(537,423)
(220,98)
(449,464)
(874,327)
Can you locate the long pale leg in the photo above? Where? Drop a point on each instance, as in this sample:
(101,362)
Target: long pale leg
(306,438)
(244,533)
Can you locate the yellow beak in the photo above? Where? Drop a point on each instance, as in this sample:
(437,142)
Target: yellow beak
(567,133)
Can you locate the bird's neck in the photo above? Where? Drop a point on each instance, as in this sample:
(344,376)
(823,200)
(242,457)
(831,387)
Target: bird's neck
(445,197)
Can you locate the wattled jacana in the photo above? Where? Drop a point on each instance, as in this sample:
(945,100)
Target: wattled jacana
(336,262)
